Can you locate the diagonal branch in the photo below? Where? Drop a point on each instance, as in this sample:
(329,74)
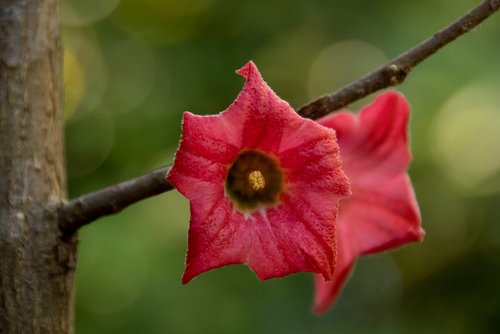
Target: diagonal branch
(87,208)
(395,71)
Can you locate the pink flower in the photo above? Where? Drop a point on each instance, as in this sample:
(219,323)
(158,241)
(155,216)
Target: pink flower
(263,185)
(382,212)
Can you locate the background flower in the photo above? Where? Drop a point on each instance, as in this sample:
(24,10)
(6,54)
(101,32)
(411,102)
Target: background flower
(382,212)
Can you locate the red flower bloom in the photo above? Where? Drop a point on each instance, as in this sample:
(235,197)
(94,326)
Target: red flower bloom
(382,212)
(263,185)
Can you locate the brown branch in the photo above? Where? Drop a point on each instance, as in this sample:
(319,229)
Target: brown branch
(395,71)
(87,208)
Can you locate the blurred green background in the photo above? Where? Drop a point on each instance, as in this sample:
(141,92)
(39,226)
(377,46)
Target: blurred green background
(133,66)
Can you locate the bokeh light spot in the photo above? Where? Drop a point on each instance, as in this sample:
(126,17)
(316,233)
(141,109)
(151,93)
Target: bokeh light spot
(77,13)
(74,83)
(163,22)
(85,67)
(131,66)
(341,63)
(88,142)
(466,133)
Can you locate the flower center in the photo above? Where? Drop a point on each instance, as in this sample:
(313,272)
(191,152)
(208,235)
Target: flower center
(254,179)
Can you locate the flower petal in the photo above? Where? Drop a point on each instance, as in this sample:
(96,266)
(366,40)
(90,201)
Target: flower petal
(207,147)
(271,252)
(382,212)
(272,242)
(190,172)
(376,140)
(315,165)
(382,217)
(326,292)
(211,137)
(265,115)
(369,223)
(309,224)
(216,237)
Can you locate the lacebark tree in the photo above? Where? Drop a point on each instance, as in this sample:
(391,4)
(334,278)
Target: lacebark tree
(37,227)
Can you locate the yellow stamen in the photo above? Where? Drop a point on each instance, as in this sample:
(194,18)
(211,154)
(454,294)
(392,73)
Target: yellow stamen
(256,180)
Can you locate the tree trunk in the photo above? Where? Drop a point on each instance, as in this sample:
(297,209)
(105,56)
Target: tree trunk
(36,262)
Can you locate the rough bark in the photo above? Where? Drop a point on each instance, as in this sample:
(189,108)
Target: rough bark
(36,263)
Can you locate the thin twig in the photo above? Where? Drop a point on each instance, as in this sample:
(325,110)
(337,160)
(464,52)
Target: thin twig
(395,71)
(107,201)
(87,208)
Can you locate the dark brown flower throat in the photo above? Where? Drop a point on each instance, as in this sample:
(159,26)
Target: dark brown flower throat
(254,179)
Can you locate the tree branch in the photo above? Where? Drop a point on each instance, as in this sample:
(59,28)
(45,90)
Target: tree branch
(89,207)
(395,71)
